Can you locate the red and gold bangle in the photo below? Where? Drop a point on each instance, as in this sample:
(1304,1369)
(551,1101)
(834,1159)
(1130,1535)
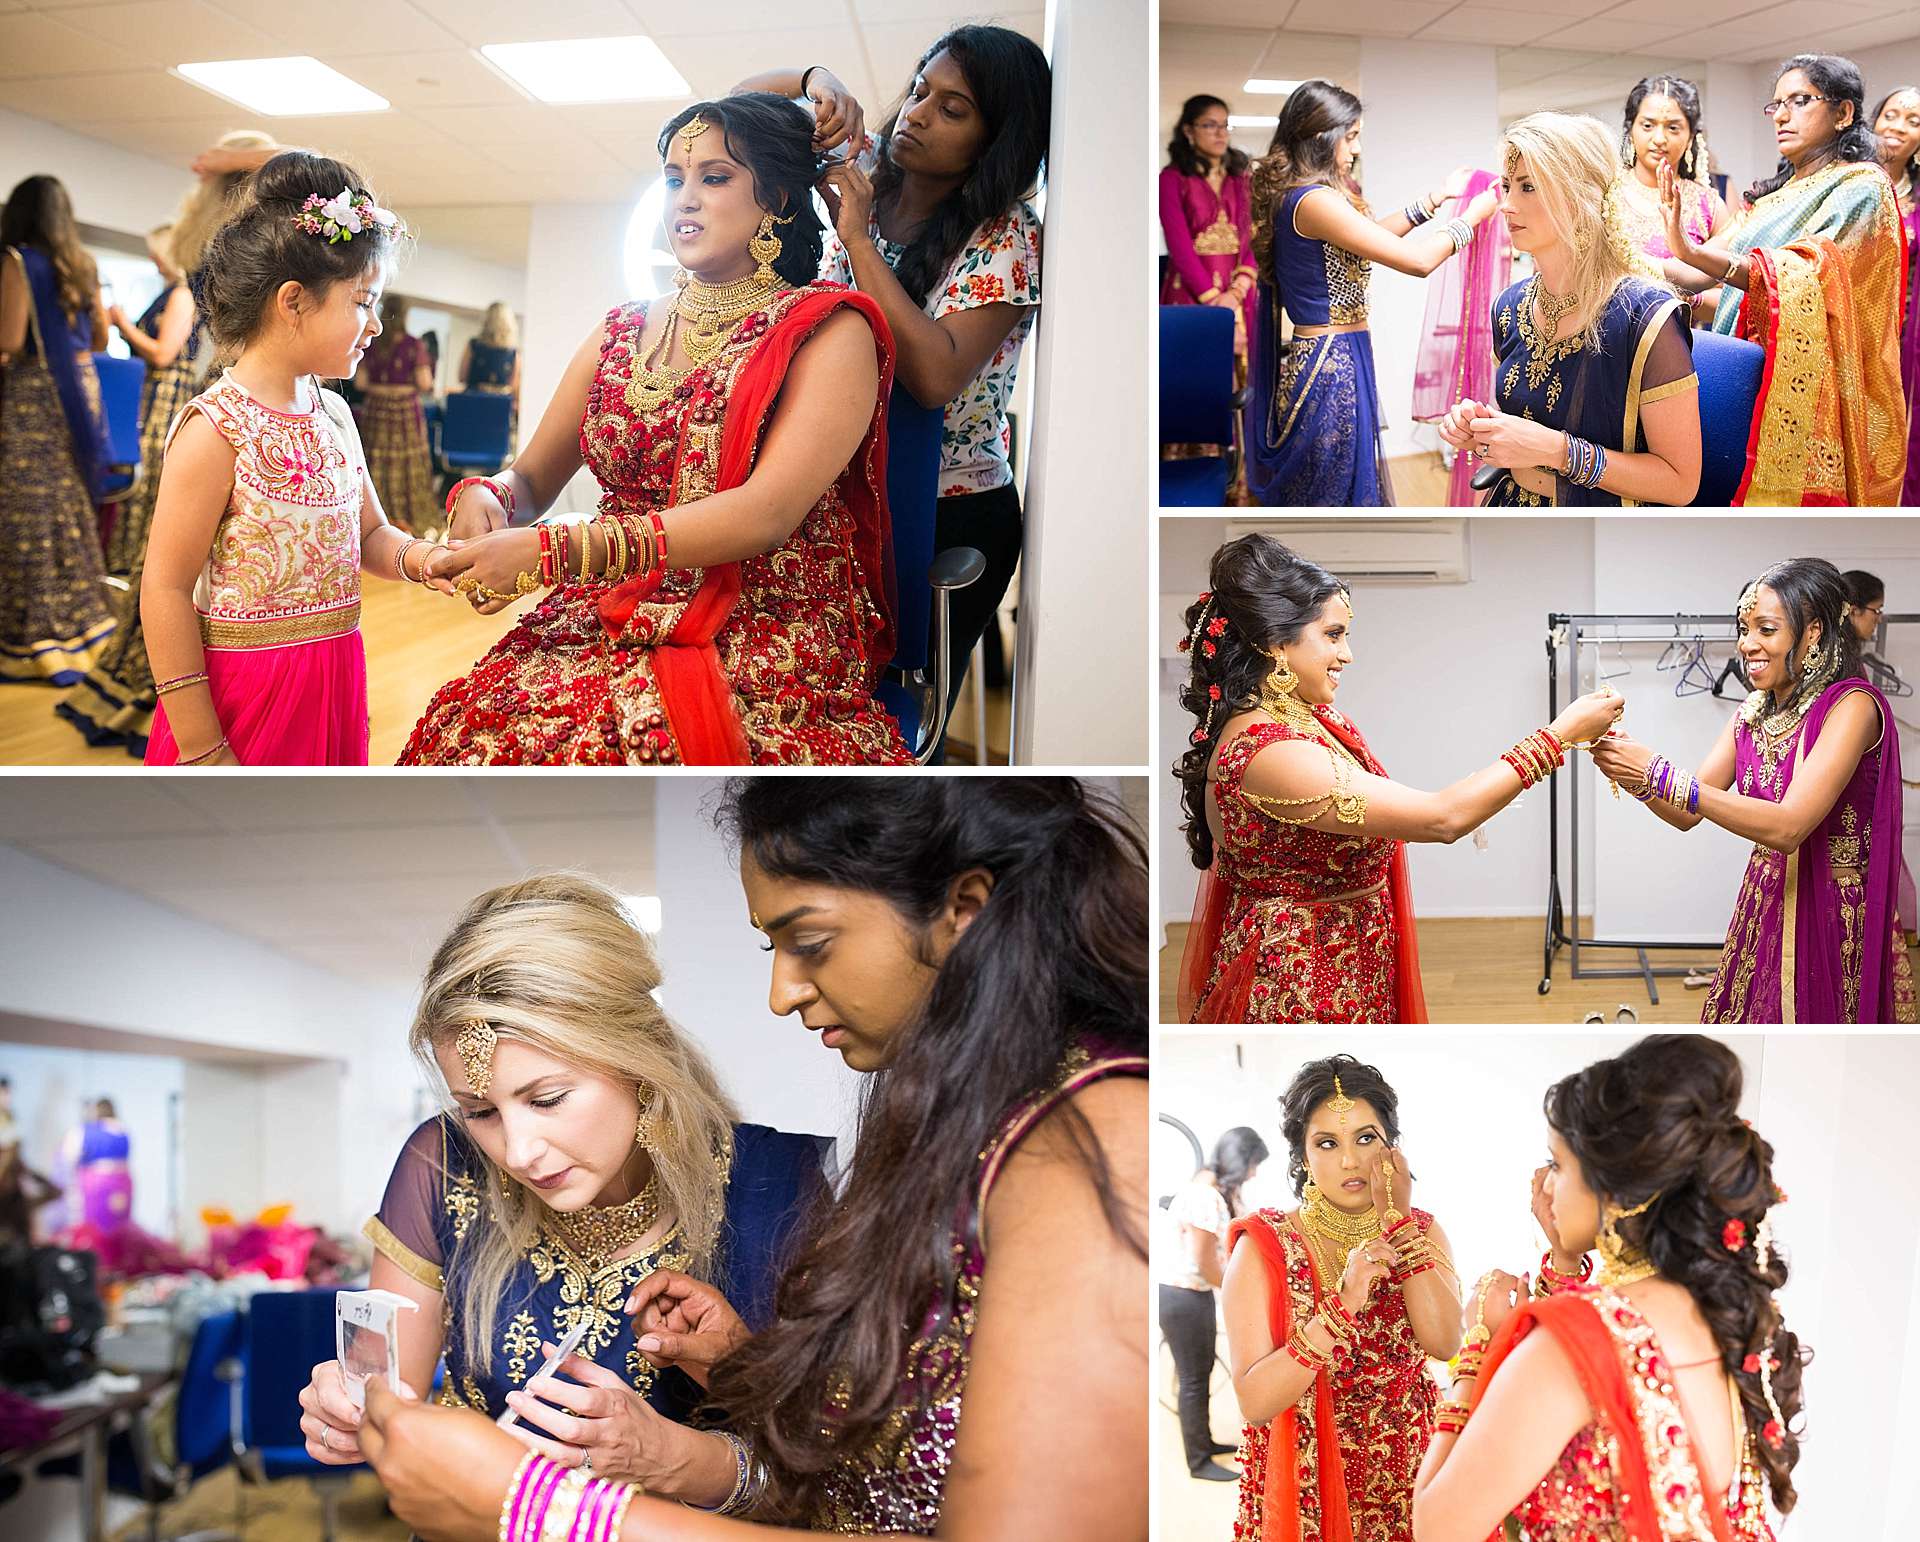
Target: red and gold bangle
(493,485)
(180,683)
(1306,1353)
(1335,1314)
(545,533)
(1551,1281)
(659,541)
(1450,1418)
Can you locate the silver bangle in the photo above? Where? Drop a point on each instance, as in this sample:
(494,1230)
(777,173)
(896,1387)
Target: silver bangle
(749,1482)
(1461,233)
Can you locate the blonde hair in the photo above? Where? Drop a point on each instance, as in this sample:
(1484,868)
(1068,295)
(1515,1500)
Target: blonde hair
(500,330)
(211,203)
(1572,160)
(556,963)
(160,247)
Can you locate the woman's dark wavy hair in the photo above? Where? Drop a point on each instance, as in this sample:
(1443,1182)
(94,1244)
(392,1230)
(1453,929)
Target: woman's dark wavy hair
(1813,589)
(1235,1155)
(773,138)
(1686,96)
(1057,954)
(1180,149)
(1012,84)
(1313,120)
(260,248)
(1663,1119)
(1268,596)
(1839,81)
(1312,1086)
(39,213)
(1863,588)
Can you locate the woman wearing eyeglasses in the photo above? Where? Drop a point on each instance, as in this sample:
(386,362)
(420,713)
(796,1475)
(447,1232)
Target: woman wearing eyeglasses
(1206,218)
(1813,273)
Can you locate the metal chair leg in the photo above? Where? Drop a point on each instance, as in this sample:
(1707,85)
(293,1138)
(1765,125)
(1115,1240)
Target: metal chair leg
(978,668)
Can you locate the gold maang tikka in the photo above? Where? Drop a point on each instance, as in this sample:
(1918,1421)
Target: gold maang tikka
(475,1046)
(691,130)
(1340,1103)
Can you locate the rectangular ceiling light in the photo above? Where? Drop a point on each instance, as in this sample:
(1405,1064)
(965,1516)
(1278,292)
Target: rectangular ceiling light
(1241,120)
(283,88)
(589,69)
(1259,87)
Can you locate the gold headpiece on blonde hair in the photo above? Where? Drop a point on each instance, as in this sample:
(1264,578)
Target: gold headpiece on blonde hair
(1340,1103)
(475,1047)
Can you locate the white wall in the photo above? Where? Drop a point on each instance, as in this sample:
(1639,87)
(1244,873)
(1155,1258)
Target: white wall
(1429,108)
(716,980)
(133,193)
(1803,1092)
(1082,641)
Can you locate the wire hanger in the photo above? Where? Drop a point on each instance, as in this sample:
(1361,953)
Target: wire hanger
(1696,675)
(1885,675)
(1733,672)
(1671,656)
(1626,665)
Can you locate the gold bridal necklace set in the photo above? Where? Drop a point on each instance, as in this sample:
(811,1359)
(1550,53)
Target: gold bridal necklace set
(704,315)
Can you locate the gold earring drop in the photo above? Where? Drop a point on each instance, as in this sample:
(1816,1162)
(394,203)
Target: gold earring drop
(765,248)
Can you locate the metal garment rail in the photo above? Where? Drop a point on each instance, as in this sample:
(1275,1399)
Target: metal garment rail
(1566,634)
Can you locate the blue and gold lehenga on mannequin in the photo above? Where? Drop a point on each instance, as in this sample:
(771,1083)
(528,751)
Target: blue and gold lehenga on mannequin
(436,1196)
(1313,410)
(1645,356)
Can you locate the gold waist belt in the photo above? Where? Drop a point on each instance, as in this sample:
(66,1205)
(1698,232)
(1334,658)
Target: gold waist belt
(280,631)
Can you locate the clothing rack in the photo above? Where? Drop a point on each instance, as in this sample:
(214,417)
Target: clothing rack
(1567,633)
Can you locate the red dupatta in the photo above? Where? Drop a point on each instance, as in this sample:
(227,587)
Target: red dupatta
(692,682)
(1573,1319)
(1227,1001)
(1273,1470)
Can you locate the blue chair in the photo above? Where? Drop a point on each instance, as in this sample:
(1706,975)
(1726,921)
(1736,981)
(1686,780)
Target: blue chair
(1730,369)
(925,580)
(287,1333)
(121,381)
(1197,402)
(475,429)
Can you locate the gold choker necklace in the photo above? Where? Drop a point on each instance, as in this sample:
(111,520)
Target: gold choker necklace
(712,311)
(1626,1269)
(597,1234)
(1347,1227)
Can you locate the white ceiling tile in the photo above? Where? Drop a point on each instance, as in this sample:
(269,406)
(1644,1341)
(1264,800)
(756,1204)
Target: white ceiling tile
(1299,56)
(143,95)
(895,50)
(1698,13)
(55,807)
(1374,18)
(1565,7)
(633,122)
(1871,34)
(47,45)
(514,21)
(713,63)
(1183,15)
(523,122)
(514,799)
(745,20)
(136,862)
(1211,45)
(617,850)
(347,26)
(169,139)
(448,77)
(170,32)
(270,803)
(1604,36)
(1481,24)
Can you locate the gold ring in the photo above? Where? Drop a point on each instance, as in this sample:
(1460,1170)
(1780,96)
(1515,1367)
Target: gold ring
(477,593)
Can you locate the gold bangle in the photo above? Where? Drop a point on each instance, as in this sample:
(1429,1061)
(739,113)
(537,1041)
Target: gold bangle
(180,683)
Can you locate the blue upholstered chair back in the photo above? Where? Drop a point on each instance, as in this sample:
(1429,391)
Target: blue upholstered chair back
(121,381)
(1196,401)
(1729,370)
(475,430)
(287,1334)
(913,494)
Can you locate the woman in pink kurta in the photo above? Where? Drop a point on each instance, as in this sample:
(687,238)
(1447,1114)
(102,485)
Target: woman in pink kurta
(1206,216)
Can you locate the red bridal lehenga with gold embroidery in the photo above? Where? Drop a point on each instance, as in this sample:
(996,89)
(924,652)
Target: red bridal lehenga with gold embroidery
(1339,1465)
(1292,924)
(771,660)
(1632,1474)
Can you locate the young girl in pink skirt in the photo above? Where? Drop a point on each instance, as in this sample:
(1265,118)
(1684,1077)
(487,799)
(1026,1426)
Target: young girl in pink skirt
(265,519)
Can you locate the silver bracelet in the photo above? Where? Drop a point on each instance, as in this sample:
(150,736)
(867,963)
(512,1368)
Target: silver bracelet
(749,1483)
(1461,234)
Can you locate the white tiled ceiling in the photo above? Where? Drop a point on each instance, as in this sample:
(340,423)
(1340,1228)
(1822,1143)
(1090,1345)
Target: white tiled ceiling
(1550,52)
(359,875)
(458,136)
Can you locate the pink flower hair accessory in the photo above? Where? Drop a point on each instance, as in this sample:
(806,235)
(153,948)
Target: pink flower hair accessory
(343,216)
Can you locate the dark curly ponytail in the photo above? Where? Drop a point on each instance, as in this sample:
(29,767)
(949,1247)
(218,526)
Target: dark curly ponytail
(1663,1120)
(1261,596)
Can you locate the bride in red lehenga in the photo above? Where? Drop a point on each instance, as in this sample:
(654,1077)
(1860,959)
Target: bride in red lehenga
(1332,1313)
(732,603)
(1304,912)
(1649,1410)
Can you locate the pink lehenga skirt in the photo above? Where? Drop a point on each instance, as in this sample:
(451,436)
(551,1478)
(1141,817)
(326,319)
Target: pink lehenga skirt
(301,705)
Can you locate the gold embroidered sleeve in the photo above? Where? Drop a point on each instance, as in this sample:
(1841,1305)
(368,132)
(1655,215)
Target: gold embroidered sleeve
(388,1246)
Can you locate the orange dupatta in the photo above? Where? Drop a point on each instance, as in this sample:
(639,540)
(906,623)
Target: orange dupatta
(1573,1318)
(693,686)
(1274,1478)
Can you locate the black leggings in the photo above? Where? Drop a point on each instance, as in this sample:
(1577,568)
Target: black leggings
(990,522)
(1187,1320)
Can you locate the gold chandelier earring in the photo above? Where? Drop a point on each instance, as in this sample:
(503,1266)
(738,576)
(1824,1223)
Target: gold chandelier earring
(1280,684)
(1621,1262)
(1311,1193)
(646,1133)
(765,247)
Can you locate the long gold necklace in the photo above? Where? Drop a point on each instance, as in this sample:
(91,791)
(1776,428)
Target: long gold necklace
(1335,1233)
(599,1233)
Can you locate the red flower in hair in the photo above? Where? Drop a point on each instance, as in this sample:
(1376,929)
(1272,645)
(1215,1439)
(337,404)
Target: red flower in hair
(1205,596)
(1213,693)
(1216,626)
(1751,1365)
(1733,1236)
(1198,736)
(1186,644)
(1208,649)
(1772,1434)
(1779,1195)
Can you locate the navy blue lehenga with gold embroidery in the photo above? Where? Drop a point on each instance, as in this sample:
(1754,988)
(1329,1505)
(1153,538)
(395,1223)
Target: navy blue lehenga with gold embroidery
(434,1196)
(1645,356)
(1313,410)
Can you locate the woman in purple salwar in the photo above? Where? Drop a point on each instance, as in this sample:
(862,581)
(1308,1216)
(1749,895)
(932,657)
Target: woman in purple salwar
(1809,770)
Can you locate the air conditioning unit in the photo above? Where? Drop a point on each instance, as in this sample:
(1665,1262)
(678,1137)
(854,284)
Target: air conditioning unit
(1430,551)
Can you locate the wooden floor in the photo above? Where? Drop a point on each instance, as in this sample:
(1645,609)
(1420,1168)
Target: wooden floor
(1485,969)
(416,642)
(1419,481)
(1192,1509)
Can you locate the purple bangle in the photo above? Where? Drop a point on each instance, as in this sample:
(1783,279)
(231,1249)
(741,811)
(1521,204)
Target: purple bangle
(1693,797)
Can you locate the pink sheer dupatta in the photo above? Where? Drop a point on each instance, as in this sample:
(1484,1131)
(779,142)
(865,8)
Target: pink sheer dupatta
(1455,361)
